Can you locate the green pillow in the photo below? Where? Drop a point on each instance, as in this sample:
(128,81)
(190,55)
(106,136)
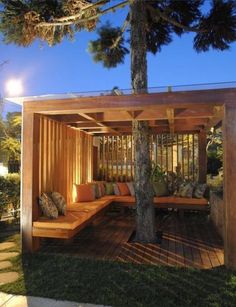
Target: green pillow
(186,190)
(96,190)
(109,188)
(160,188)
(199,190)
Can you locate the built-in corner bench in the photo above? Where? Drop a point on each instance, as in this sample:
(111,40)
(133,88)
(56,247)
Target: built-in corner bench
(79,215)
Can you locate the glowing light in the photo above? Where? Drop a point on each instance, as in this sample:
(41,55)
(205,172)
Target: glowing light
(14,87)
(3,170)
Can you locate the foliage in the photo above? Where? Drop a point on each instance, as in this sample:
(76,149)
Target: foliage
(3,195)
(214,152)
(157,173)
(11,147)
(22,22)
(101,48)
(20,18)
(13,124)
(10,136)
(10,193)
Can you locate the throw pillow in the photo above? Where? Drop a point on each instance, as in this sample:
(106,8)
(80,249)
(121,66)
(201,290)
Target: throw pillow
(123,188)
(131,188)
(199,190)
(101,187)
(60,202)
(96,189)
(109,188)
(116,189)
(85,192)
(186,190)
(48,207)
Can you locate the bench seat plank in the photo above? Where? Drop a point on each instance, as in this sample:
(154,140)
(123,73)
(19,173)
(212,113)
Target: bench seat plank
(89,207)
(79,215)
(70,221)
(165,200)
(180,200)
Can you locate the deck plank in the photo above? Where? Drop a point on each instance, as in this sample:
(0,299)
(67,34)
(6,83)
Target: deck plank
(186,242)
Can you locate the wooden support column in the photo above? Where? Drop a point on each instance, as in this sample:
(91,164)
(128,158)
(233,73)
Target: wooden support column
(202,156)
(229,133)
(29,180)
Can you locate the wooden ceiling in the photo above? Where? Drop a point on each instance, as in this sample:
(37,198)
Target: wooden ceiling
(161,120)
(171,112)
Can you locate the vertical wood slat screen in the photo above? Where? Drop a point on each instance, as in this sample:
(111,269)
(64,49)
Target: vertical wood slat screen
(65,157)
(116,155)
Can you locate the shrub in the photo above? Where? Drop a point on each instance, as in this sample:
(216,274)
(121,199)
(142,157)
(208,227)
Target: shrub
(10,193)
(3,195)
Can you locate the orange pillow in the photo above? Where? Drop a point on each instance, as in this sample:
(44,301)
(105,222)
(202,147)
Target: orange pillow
(85,192)
(123,188)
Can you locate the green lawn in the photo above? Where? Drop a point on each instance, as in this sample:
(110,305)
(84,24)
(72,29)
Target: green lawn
(120,284)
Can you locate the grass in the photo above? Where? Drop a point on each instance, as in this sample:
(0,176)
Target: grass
(119,284)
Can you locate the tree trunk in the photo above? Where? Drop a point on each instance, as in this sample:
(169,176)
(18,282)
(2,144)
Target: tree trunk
(145,214)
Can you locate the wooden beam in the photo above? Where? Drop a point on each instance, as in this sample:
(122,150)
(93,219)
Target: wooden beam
(88,125)
(107,129)
(194,112)
(202,156)
(153,114)
(68,118)
(30,180)
(134,102)
(218,114)
(134,114)
(170,116)
(192,121)
(229,133)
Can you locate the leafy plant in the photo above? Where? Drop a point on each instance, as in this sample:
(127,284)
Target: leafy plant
(3,195)
(10,193)
(11,147)
(214,152)
(10,137)
(13,192)
(157,173)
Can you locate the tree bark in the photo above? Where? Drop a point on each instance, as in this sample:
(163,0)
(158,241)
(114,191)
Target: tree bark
(145,214)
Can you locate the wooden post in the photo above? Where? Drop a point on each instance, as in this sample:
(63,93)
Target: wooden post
(229,132)
(202,156)
(95,162)
(30,180)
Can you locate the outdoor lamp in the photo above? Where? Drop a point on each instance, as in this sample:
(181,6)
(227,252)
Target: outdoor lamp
(14,87)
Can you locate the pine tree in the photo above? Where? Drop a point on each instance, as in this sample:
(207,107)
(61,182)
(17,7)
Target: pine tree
(152,25)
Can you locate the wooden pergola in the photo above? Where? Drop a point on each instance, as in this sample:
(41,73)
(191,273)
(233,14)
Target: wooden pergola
(58,142)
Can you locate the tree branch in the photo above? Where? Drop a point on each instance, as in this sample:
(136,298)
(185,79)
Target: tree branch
(125,25)
(73,18)
(155,12)
(82,11)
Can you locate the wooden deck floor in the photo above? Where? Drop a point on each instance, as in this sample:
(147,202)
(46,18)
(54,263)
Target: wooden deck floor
(191,241)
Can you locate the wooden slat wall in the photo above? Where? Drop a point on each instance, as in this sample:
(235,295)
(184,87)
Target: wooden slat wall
(65,157)
(116,157)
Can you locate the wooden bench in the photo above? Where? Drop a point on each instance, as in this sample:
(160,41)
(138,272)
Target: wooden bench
(166,202)
(79,215)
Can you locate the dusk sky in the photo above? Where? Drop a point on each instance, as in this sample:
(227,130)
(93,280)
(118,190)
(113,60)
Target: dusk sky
(69,67)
